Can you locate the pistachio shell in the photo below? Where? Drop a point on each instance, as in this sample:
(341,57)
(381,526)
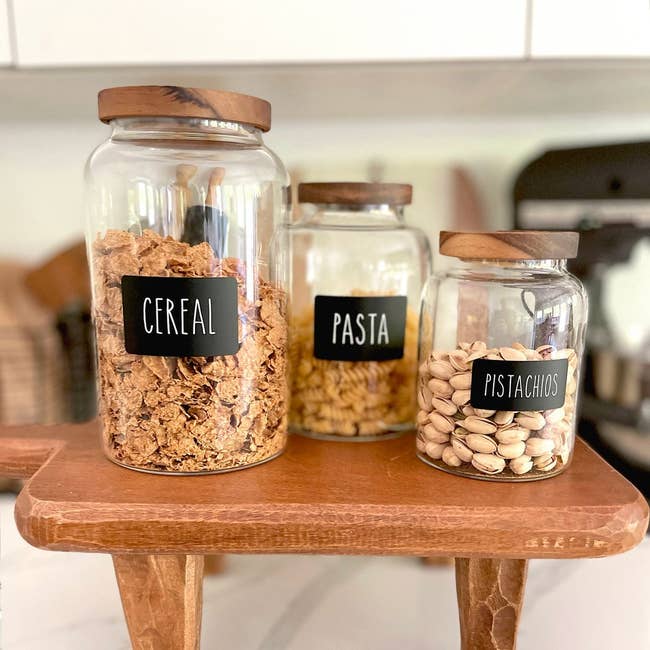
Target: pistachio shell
(467,410)
(479,425)
(511,354)
(464,346)
(440,387)
(433,435)
(477,346)
(515,434)
(530,420)
(461,380)
(434,450)
(488,464)
(458,359)
(438,355)
(545,463)
(461,449)
(459,432)
(441,422)
(441,369)
(477,354)
(521,465)
(445,406)
(519,346)
(538,447)
(449,457)
(420,445)
(554,416)
(484,413)
(504,417)
(461,397)
(545,351)
(424,398)
(511,449)
(480,443)
(422,417)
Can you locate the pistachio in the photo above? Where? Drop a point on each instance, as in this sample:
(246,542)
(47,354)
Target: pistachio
(461,397)
(458,359)
(519,346)
(420,445)
(459,432)
(554,416)
(480,443)
(538,446)
(422,417)
(479,425)
(512,354)
(433,435)
(461,380)
(478,354)
(440,387)
(545,463)
(441,369)
(484,413)
(512,434)
(504,417)
(445,406)
(441,422)
(467,410)
(545,351)
(439,355)
(478,346)
(424,398)
(530,420)
(464,346)
(488,464)
(434,450)
(449,457)
(461,449)
(521,465)
(511,449)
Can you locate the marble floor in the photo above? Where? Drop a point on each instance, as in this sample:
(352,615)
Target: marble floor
(69,601)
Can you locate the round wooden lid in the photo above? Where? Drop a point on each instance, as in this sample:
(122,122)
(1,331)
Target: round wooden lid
(355,193)
(176,101)
(510,245)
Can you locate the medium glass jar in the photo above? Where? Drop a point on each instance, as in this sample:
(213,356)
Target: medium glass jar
(502,336)
(357,274)
(182,201)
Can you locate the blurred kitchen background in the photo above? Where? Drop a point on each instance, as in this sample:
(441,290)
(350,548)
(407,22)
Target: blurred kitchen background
(534,113)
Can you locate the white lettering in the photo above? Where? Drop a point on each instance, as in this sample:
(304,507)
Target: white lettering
(147,329)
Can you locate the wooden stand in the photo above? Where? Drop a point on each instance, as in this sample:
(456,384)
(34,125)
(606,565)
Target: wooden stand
(319,497)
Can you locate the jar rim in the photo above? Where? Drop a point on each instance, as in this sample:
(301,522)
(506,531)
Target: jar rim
(510,245)
(183,102)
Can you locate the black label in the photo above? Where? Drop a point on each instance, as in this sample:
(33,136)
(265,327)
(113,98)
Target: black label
(359,328)
(180,317)
(518,385)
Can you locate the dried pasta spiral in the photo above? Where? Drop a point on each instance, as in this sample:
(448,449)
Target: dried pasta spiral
(350,398)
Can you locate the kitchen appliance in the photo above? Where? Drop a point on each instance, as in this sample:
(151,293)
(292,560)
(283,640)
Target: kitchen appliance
(604,192)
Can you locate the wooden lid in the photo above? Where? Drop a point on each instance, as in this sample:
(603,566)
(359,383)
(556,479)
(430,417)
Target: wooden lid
(510,245)
(176,101)
(355,193)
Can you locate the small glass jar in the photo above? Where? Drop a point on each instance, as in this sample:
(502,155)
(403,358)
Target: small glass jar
(191,328)
(502,336)
(357,275)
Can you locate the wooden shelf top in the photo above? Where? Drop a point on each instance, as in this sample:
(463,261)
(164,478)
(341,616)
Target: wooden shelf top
(318,497)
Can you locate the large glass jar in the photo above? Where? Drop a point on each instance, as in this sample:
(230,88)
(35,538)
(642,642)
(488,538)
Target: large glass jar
(357,276)
(502,336)
(183,200)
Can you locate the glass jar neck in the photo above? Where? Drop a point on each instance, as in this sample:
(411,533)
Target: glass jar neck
(183,129)
(369,216)
(531,266)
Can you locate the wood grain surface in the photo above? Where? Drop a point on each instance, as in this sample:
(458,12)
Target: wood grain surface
(510,245)
(162,597)
(318,497)
(178,101)
(490,595)
(355,193)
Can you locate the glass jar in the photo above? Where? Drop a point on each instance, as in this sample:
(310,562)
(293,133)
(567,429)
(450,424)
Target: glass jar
(357,274)
(502,336)
(190,320)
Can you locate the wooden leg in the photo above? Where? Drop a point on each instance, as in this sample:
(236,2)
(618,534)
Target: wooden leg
(162,598)
(490,595)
